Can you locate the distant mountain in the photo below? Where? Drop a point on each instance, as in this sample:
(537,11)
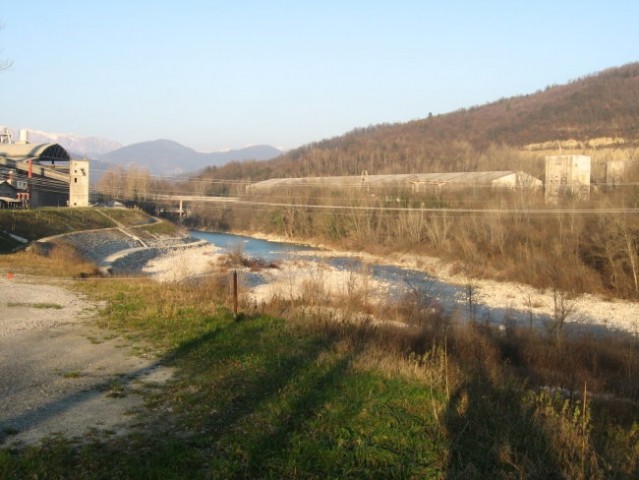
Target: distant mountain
(75,144)
(166,157)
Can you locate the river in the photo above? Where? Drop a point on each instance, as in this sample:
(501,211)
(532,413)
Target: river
(493,302)
(397,280)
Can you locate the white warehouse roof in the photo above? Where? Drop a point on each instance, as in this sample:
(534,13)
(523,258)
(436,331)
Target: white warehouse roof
(415,180)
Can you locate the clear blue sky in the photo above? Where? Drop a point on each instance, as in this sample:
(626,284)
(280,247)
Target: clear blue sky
(224,74)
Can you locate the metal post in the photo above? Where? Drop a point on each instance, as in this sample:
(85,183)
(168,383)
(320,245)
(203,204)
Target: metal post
(30,177)
(235,294)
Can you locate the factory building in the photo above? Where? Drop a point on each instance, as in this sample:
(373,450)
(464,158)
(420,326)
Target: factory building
(46,171)
(615,170)
(567,176)
(416,182)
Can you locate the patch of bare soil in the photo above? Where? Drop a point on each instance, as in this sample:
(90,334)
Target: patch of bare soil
(59,373)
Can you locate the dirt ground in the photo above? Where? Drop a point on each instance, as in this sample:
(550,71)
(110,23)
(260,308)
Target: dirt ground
(59,372)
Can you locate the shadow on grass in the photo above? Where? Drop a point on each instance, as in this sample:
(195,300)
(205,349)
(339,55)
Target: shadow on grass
(492,433)
(273,446)
(249,383)
(32,419)
(492,436)
(260,398)
(246,363)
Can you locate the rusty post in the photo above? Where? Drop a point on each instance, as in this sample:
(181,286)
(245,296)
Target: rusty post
(235,294)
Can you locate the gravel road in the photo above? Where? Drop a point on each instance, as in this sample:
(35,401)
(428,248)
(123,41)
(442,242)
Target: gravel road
(59,373)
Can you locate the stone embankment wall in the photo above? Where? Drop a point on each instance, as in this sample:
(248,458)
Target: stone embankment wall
(116,251)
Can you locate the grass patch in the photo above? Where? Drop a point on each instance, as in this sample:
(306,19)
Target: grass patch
(42,306)
(60,261)
(33,224)
(161,227)
(308,397)
(115,389)
(258,398)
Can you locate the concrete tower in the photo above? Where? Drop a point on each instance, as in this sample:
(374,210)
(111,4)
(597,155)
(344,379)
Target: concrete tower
(567,176)
(79,183)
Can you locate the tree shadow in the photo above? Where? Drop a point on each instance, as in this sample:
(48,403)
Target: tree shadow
(492,433)
(216,363)
(115,386)
(274,445)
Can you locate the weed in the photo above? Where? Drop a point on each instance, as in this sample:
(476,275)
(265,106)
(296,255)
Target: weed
(42,306)
(114,389)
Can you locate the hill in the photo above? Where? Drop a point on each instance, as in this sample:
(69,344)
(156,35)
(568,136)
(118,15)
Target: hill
(599,110)
(166,157)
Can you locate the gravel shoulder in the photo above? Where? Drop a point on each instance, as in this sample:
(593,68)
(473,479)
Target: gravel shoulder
(59,372)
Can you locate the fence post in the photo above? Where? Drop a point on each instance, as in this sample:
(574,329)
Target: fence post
(235,294)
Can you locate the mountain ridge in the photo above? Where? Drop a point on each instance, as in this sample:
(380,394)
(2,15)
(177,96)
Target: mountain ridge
(159,157)
(168,157)
(583,112)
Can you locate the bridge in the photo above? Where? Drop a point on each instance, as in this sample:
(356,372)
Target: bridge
(182,199)
(193,198)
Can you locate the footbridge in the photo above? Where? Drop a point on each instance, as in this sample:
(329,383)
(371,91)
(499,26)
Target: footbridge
(183,199)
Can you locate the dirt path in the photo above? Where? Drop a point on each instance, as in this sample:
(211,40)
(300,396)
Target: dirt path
(59,373)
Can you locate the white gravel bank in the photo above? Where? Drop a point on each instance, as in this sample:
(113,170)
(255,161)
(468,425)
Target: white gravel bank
(296,276)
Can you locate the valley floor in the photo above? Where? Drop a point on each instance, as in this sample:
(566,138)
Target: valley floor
(509,302)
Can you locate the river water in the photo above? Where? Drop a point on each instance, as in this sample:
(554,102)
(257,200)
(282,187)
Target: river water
(397,280)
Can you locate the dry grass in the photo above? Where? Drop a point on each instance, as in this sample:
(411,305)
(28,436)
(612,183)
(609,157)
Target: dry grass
(518,403)
(59,261)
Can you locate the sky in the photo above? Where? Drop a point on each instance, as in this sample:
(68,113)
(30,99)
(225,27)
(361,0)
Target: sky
(221,74)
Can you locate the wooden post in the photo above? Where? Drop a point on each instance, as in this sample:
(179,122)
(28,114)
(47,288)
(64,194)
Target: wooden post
(235,294)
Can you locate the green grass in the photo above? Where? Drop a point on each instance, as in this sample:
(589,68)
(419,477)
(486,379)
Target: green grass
(159,228)
(267,397)
(42,306)
(257,398)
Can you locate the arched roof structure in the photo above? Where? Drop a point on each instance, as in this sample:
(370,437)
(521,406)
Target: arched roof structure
(50,152)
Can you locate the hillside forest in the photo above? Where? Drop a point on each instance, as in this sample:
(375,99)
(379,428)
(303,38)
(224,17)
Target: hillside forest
(580,245)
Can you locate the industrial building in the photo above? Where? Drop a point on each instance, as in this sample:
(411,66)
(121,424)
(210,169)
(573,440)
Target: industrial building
(11,196)
(567,176)
(417,182)
(44,175)
(615,170)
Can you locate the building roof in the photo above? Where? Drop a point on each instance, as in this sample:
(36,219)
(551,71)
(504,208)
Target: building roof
(394,180)
(44,152)
(6,183)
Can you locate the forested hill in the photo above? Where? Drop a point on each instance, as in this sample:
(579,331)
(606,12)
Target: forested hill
(600,109)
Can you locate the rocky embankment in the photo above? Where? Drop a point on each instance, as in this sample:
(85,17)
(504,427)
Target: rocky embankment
(120,251)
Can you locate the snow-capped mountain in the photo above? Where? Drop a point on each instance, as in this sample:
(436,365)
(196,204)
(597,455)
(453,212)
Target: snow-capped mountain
(86,146)
(159,157)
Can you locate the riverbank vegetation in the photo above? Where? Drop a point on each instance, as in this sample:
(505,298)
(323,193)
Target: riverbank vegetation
(292,389)
(586,247)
